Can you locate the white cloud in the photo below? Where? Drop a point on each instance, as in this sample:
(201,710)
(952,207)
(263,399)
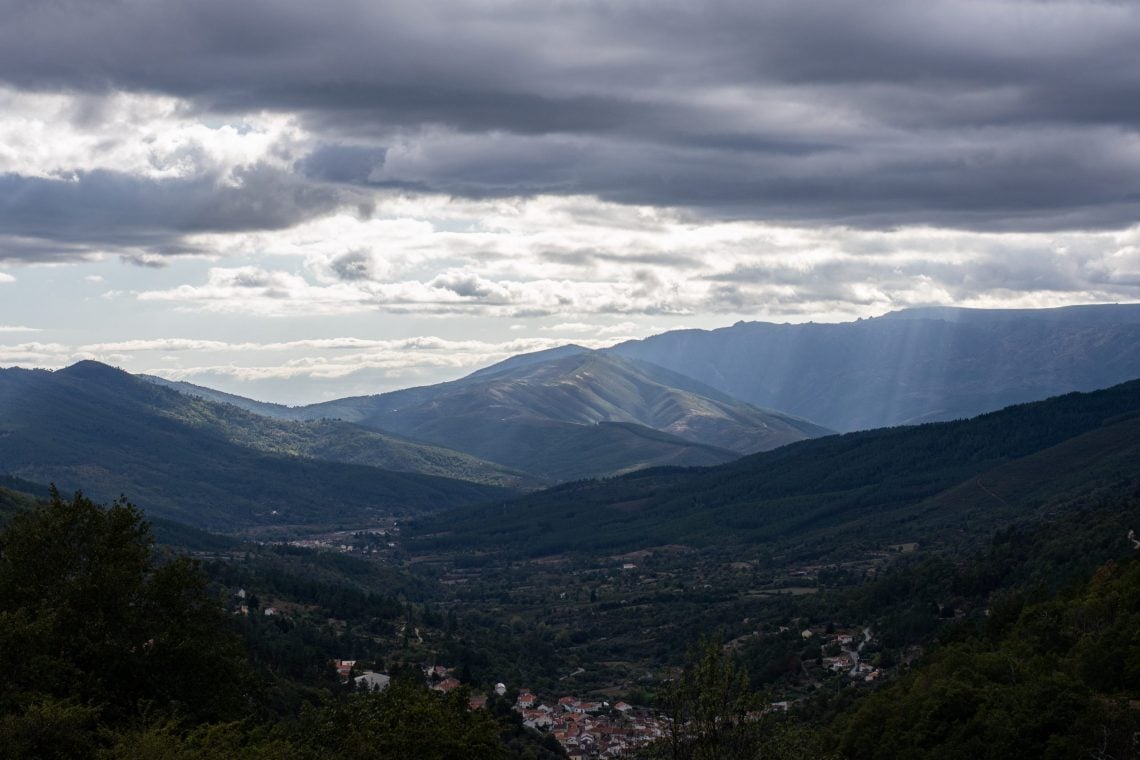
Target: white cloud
(581,259)
(50,355)
(54,134)
(161,344)
(4,277)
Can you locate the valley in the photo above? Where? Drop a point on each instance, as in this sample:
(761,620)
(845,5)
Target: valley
(588,532)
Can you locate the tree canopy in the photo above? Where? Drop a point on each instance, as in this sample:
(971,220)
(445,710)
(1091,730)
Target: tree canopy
(95,627)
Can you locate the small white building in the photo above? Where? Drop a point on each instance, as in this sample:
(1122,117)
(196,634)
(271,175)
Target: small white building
(373,681)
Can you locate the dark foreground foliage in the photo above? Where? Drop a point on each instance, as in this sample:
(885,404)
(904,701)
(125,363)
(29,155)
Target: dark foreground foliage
(1057,679)
(110,650)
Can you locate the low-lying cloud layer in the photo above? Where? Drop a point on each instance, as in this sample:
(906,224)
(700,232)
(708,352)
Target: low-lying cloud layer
(580,257)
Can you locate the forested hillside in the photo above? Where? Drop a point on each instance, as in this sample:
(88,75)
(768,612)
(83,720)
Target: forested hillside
(941,483)
(1032,650)
(91,426)
(1055,679)
(112,651)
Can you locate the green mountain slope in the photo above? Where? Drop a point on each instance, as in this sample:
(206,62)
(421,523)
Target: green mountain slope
(93,427)
(948,483)
(552,415)
(907,367)
(250,423)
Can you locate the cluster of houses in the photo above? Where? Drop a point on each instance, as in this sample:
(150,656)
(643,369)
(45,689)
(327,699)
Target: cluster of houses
(588,729)
(352,542)
(239,605)
(848,660)
(592,730)
(844,663)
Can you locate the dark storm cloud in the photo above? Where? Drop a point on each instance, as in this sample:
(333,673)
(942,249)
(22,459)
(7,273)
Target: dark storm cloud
(985,115)
(34,249)
(68,217)
(342,163)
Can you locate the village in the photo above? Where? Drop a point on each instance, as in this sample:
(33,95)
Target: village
(585,728)
(589,729)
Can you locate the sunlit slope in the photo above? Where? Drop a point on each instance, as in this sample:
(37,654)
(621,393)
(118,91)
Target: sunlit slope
(577,413)
(951,482)
(96,428)
(911,366)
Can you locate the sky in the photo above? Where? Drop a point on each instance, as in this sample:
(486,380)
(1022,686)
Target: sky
(297,201)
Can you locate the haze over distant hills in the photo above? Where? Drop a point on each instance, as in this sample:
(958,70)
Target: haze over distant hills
(909,366)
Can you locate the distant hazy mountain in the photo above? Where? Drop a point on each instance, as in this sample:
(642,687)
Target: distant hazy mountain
(94,427)
(575,413)
(909,366)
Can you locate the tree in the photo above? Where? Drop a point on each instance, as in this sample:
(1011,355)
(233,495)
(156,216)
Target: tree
(708,706)
(89,615)
(406,721)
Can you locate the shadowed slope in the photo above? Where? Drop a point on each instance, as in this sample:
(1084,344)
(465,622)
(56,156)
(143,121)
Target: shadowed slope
(94,427)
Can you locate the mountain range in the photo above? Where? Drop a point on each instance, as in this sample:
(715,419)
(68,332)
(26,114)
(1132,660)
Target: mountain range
(561,415)
(558,415)
(94,427)
(697,397)
(906,367)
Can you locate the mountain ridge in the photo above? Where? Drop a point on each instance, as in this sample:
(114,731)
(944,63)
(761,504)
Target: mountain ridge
(542,404)
(909,366)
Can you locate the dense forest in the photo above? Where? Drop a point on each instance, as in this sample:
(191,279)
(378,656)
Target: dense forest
(112,649)
(953,483)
